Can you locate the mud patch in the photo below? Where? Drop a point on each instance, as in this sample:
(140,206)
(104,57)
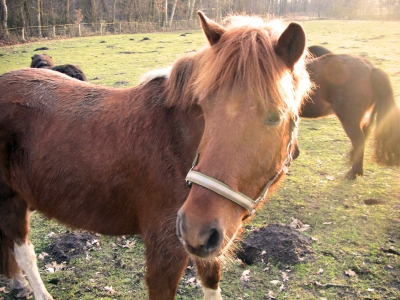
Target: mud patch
(276,242)
(68,246)
(120,83)
(41,49)
(373,201)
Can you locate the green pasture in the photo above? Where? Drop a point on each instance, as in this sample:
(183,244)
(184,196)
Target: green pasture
(348,233)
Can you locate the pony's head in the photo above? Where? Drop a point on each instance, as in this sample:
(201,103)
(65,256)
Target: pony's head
(42,61)
(250,83)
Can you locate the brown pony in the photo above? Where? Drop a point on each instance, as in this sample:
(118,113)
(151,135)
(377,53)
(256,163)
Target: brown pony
(114,161)
(353,89)
(317,51)
(46,61)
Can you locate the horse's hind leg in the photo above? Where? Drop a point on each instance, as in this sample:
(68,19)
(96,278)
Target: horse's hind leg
(357,138)
(20,287)
(25,256)
(16,251)
(209,272)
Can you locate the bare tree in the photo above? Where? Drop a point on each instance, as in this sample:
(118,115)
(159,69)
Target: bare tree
(39,12)
(113,10)
(172,13)
(4,16)
(67,10)
(166,13)
(193,3)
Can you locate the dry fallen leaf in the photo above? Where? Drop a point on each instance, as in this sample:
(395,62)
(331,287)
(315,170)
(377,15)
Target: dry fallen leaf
(109,289)
(270,295)
(298,225)
(350,273)
(285,276)
(42,255)
(274,282)
(192,282)
(245,276)
(53,267)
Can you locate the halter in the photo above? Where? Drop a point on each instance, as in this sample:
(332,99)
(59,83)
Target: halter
(237,197)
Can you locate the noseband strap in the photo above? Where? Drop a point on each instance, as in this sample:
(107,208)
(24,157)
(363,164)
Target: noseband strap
(221,189)
(224,190)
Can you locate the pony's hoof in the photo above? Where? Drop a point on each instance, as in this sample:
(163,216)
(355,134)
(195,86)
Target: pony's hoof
(352,175)
(25,292)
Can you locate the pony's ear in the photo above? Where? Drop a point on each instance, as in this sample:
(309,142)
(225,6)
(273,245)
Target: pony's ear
(291,44)
(212,30)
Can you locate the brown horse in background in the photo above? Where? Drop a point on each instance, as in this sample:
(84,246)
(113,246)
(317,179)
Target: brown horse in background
(356,91)
(114,161)
(317,51)
(46,61)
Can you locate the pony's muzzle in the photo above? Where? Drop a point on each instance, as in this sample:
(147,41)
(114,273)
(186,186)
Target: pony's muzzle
(201,240)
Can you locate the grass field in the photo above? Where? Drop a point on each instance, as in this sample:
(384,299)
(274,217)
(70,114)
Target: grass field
(356,246)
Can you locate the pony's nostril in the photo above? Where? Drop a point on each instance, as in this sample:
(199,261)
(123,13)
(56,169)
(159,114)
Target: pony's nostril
(214,240)
(178,226)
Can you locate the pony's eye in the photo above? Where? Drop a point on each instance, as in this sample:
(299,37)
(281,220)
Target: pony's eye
(273,119)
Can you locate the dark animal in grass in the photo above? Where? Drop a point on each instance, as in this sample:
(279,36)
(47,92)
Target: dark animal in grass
(356,91)
(114,161)
(318,51)
(46,61)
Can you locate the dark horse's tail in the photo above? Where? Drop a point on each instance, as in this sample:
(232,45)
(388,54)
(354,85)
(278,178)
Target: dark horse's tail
(387,132)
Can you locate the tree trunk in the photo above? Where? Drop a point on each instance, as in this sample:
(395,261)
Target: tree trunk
(150,12)
(93,15)
(166,13)
(172,13)
(39,12)
(53,18)
(5,16)
(113,11)
(67,8)
(104,12)
(26,13)
(192,9)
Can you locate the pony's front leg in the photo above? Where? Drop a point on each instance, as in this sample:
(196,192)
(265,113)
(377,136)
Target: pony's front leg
(166,261)
(209,272)
(20,287)
(26,259)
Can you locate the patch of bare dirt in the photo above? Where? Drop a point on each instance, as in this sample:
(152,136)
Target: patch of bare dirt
(68,246)
(278,242)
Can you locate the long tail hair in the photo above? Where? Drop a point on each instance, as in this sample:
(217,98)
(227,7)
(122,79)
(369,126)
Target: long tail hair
(387,132)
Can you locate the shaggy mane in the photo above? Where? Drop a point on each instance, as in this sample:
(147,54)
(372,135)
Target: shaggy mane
(244,61)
